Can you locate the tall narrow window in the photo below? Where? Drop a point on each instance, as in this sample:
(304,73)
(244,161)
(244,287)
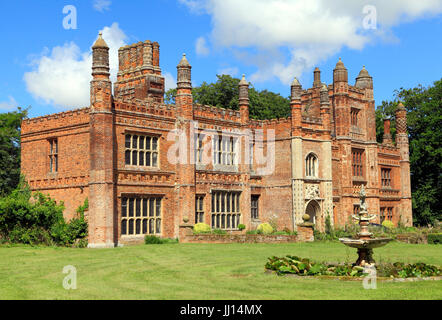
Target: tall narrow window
(141,215)
(311,166)
(357,163)
(385,178)
(199,209)
(354,117)
(226,212)
(53,155)
(141,151)
(255,207)
(199,139)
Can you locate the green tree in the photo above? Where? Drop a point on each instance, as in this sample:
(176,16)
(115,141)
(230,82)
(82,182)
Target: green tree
(424,122)
(10,124)
(224,94)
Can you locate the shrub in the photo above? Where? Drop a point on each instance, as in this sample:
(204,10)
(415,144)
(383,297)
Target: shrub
(265,228)
(34,218)
(434,238)
(152,240)
(201,228)
(252,232)
(388,224)
(241,226)
(219,231)
(158,240)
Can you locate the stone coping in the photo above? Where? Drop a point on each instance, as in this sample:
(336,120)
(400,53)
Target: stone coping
(347,278)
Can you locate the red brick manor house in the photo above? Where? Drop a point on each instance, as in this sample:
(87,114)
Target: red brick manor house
(120,153)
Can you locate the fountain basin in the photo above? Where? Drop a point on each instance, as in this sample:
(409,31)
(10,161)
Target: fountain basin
(365,243)
(365,248)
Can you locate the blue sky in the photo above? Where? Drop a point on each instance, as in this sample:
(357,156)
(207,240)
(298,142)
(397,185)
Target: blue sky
(46,66)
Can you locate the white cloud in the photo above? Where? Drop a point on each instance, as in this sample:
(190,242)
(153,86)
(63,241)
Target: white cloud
(62,76)
(170,81)
(102,5)
(311,31)
(201,47)
(231,71)
(10,105)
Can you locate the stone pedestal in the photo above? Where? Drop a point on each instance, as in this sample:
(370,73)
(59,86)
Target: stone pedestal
(305,232)
(186,229)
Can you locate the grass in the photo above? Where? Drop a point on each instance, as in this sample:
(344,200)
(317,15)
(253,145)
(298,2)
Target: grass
(199,271)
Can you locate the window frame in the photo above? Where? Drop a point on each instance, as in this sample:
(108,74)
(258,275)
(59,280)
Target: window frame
(199,208)
(254,210)
(53,155)
(131,148)
(357,163)
(386,177)
(226,209)
(141,212)
(311,165)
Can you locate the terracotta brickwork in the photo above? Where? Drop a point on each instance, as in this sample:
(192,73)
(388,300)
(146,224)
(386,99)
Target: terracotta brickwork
(133,156)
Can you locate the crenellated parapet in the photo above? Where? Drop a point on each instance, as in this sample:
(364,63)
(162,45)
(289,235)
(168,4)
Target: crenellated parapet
(214,113)
(143,107)
(56,121)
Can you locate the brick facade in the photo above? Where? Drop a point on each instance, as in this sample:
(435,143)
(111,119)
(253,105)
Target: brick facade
(123,154)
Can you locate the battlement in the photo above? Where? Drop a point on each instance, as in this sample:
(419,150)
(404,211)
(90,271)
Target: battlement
(56,120)
(142,106)
(210,112)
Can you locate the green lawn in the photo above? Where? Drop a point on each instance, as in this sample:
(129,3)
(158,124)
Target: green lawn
(199,271)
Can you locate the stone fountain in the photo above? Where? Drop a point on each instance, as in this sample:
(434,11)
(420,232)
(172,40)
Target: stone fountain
(365,243)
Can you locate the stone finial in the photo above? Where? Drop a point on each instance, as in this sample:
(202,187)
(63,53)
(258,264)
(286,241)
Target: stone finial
(100,43)
(184,62)
(340,73)
(100,58)
(364,80)
(243,81)
(243,91)
(296,89)
(184,74)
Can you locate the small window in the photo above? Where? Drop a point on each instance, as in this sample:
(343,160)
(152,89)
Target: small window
(357,163)
(199,209)
(354,117)
(311,166)
(255,207)
(386,178)
(53,155)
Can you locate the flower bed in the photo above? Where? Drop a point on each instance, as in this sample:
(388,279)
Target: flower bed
(304,267)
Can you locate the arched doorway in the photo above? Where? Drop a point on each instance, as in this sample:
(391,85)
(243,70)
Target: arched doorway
(313,210)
